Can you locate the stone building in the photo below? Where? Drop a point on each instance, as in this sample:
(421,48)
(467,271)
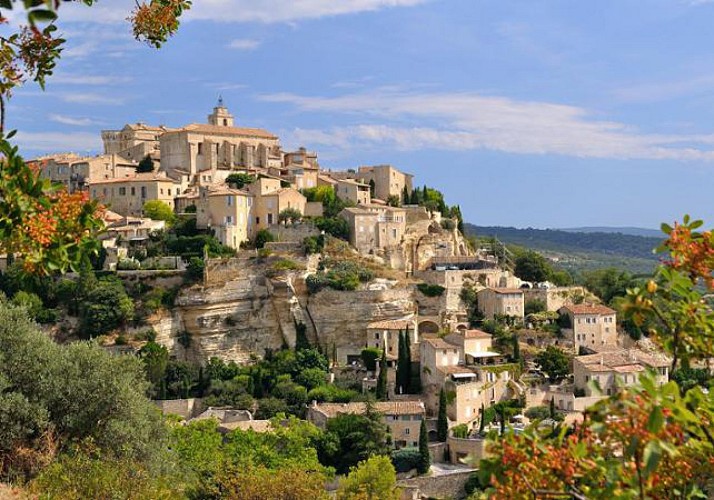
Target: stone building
(228,212)
(593,326)
(353,191)
(402,417)
(76,172)
(218,144)
(555,297)
(375,227)
(613,370)
(385,335)
(501,302)
(270,199)
(127,195)
(134,141)
(388,181)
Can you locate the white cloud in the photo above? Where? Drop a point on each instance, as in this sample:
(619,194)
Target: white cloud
(467,121)
(46,142)
(265,11)
(77,79)
(68,120)
(89,98)
(244,44)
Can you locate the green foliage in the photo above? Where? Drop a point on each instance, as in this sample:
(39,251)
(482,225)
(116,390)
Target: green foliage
(609,284)
(460,431)
(146,165)
(374,478)
(158,210)
(370,355)
(688,378)
(77,392)
(239,180)
(342,275)
(538,413)
(103,305)
(394,201)
(334,226)
(532,266)
(155,358)
(301,341)
(431,290)
(332,394)
(424,457)
(534,306)
(406,459)
(442,422)
(289,216)
(313,244)
(195,268)
(554,362)
(262,237)
(381,390)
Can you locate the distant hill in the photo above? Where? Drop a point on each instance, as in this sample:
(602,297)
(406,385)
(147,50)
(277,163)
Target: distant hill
(632,231)
(580,250)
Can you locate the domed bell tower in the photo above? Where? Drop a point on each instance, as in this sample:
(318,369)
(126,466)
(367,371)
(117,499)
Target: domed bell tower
(220,116)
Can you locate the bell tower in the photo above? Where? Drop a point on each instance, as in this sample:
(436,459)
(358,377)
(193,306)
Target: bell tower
(220,116)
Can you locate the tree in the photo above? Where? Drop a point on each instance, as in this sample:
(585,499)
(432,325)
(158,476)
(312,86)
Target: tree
(532,266)
(554,362)
(402,383)
(424,457)
(408,363)
(58,395)
(239,180)
(372,479)
(516,348)
(301,341)
(159,210)
(156,359)
(442,422)
(289,216)
(103,306)
(369,356)
(551,408)
(372,187)
(405,196)
(146,165)
(393,200)
(534,306)
(51,229)
(381,392)
(262,237)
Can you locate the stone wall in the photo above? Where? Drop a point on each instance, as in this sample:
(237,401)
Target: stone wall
(186,408)
(446,486)
(293,232)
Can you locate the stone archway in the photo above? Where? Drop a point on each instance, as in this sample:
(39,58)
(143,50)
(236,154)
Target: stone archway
(462,326)
(428,326)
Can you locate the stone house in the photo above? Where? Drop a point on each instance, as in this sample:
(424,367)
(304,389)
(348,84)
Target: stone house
(388,181)
(501,302)
(402,417)
(127,195)
(218,144)
(555,297)
(375,227)
(270,199)
(385,335)
(593,326)
(354,191)
(76,172)
(134,141)
(228,212)
(615,369)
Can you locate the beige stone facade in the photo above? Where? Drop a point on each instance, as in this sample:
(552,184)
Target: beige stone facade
(385,335)
(388,181)
(127,196)
(616,369)
(270,199)
(375,227)
(555,297)
(134,141)
(501,302)
(594,326)
(402,417)
(353,191)
(76,172)
(228,212)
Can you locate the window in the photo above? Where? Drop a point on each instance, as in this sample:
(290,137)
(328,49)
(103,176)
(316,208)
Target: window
(407,430)
(229,200)
(229,219)
(169,191)
(405,417)
(143,191)
(161,190)
(257,221)
(122,191)
(376,335)
(394,233)
(200,148)
(133,191)
(270,218)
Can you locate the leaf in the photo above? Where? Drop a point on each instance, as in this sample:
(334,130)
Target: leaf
(666,228)
(41,16)
(655,420)
(651,457)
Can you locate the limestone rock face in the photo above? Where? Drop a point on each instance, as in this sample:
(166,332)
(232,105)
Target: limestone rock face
(340,318)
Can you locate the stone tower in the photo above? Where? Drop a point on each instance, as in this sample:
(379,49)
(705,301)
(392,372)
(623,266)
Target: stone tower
(220,116)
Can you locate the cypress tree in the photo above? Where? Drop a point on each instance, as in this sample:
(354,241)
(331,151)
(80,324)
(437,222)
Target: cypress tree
(552,407)
(405,195)
(414,198)
(372,187)
(516,348)
(442,423)
(424,458)
(482,423)
(401,384)
(382,378)
(407,363)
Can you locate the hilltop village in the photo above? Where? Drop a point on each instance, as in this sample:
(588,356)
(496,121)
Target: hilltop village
(235,252)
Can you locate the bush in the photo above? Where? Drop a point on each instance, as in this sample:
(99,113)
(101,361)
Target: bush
(262,237)
(313,244)
(370,355)
(128,265)
(448,224)
(534,306)
(287,265)
(334,226)
(194,270)
(405,459)
(105,306)
(332,394)
(460,431)
(538,413)
(431,290)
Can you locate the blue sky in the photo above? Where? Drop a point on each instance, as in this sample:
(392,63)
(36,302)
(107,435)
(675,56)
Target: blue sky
(526,113)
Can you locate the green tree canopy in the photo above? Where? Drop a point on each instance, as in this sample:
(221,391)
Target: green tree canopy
(554,362)
(159,210)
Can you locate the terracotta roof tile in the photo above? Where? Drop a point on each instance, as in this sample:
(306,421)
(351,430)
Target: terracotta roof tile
(476,334)
(438,343)
(385,407)
(218,130)
(391,324)
(589,309)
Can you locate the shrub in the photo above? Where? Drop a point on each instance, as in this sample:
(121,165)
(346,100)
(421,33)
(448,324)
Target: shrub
(335,226)
(534,306)
(370,355)
(405,459)
(448,224)
(128,265)
(289,216)
(538,413)
(287,265)
(332,394)
(313,244)
(431,290)
(262,237)
(194,270)
(460,431)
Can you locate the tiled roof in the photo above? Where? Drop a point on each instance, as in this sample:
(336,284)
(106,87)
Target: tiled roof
(596,309)
(476,334)
(391,324)
(224,191)
(448,370)
(245,425)
(143,177)
(331,410)
(218,130)
(352,181)
(613,360)
(359,211)
(438,343)
(505,290)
